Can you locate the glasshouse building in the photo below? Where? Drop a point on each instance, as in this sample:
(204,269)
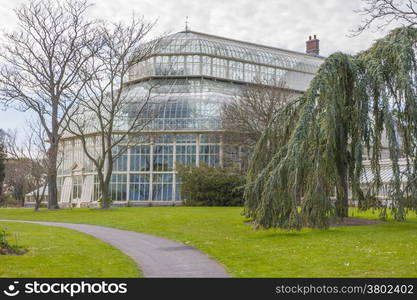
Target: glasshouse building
(198,73)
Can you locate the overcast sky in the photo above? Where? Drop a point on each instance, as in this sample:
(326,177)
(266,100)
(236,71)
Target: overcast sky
(280,23)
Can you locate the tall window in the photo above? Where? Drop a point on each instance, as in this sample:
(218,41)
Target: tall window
(118,185)
(120,163)
(219,67)
(162,158)
(235,70)
(163,65)
(96,193)
(139,187)
(77,186)
(140,158)
(280,75)
(162,187)
(193,65)
(209,155)
(206,65)
(268,75)
(178,65)
(251,72)
(186,154)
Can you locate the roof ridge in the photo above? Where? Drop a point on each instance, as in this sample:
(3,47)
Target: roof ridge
(249,43)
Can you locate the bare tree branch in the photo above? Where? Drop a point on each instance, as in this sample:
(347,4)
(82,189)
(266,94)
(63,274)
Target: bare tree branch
(382,13)
(27,165)
(110,111)
(41,64)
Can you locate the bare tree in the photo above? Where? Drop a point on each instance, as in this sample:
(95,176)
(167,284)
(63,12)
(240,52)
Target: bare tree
(16,167)
(16,179)
(40,67)
(36,150)
(3,157)
(246,116)
(382,13)
(28,167)
(111,111)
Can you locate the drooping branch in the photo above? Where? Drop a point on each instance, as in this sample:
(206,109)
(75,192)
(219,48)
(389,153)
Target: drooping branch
(306,161)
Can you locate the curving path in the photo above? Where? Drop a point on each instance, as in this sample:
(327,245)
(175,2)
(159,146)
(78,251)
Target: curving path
(157,257)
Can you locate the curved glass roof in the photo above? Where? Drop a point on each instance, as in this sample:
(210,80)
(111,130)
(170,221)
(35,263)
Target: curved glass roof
(191,42)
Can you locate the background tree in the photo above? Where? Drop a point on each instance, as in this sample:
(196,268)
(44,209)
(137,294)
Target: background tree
(383,13)
(40,67)
(315,149)
(246,116)
(28,164)
(110,112)
(16,179)
(3,157)
(37,162)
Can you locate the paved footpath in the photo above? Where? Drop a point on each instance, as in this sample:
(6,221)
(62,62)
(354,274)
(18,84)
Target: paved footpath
(156,257)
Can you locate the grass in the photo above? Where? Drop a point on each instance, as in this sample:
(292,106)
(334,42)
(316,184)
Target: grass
(59,252)
(384,250)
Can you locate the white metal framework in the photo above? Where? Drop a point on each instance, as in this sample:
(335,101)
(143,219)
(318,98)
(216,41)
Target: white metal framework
(198,73)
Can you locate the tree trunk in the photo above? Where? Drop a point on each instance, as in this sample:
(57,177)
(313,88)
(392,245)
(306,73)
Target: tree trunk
(2,177)
(105,203)
(1,194)
(52,157)
(104,189)
(52,177)
(342,196)
(108,170)
(37,204)
(52,190)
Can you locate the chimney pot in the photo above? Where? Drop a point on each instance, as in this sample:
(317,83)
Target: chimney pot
(312,46)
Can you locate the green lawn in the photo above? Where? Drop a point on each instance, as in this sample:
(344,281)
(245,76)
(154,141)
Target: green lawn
(59,252)
(384,250)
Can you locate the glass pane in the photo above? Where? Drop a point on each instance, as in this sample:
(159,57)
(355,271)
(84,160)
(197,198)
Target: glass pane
(162,158)
(140,158)
(139,187)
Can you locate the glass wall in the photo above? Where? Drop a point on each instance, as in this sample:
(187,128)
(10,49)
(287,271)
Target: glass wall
(188,104)
(149,169)
(118,185)
(139,187)
(201,65)
(191,76)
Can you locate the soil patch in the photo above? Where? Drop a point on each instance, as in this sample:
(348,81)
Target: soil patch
(353,222)
(342,222)
(11,251)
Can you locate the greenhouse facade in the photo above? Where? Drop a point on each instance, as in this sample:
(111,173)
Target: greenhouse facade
(195,74)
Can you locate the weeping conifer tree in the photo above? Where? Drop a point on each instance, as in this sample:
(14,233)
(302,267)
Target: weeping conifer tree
(313,150)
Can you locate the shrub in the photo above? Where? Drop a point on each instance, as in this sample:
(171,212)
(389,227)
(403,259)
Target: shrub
(209,186)
(7,248)
(10,201)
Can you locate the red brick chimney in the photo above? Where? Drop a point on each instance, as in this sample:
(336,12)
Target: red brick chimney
(312,46)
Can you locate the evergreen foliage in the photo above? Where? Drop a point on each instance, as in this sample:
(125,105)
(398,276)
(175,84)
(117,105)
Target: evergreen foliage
(314,148)
(209,186)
